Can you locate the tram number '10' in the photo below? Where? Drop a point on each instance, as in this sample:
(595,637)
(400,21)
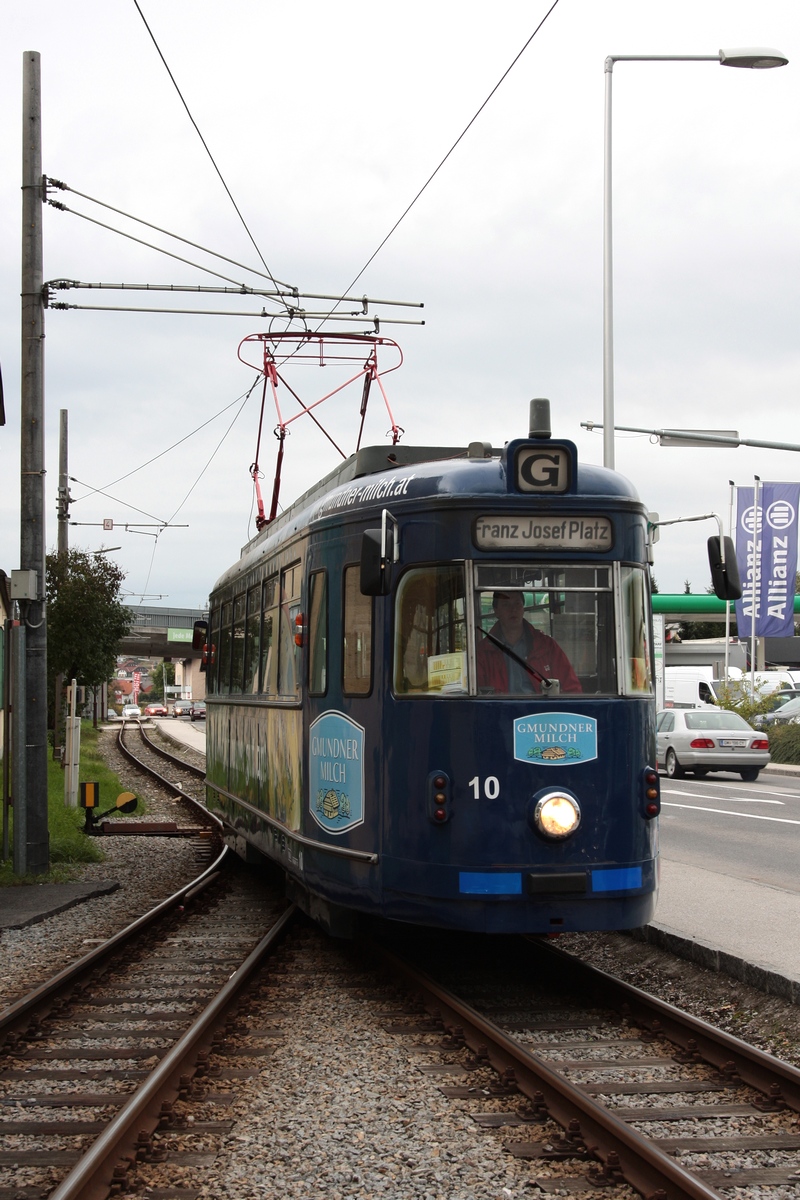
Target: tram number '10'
(491,787)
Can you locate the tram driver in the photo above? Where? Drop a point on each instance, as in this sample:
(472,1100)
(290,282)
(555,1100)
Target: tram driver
(514,657)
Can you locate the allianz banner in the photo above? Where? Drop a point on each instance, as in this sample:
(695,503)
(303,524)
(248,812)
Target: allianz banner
(766,551)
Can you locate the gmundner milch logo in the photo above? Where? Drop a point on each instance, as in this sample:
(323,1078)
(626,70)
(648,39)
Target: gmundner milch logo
(555,739)
(336,772)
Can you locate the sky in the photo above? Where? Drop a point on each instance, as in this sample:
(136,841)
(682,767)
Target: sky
(325,121)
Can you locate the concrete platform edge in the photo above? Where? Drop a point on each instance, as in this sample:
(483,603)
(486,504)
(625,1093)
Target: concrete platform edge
(715,959)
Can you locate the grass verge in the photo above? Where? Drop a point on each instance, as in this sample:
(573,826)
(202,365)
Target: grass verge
(70,847)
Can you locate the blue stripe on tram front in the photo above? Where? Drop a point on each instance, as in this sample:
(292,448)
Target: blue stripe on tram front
(478,883)
(617,879)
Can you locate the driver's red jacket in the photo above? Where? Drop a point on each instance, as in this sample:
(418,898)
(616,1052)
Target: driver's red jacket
(543,654)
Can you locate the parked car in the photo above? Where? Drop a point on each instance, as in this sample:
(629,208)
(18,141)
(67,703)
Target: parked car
(197,712)
(181,708)
(156,710)
(709,739)
(777,714)
(112,715)
(786,714)
(131,712)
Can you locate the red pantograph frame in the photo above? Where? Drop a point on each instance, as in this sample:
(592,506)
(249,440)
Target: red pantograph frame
(321,349)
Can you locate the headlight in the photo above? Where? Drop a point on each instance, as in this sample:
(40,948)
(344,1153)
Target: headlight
(557,815)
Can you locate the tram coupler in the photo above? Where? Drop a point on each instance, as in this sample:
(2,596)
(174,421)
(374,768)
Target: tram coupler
(89,800)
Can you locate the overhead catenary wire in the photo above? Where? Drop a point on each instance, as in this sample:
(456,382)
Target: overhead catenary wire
(455,144)
(205,144)
(218,447)
(65,187)
(57,204)
(116,499)
(244,397)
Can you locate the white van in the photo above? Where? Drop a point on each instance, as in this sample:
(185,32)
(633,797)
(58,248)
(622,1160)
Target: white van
(694,687)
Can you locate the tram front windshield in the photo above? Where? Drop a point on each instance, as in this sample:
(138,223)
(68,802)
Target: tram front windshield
(521,631)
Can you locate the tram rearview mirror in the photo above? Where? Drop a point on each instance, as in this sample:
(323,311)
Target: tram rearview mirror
(724,575)
(376,578)
(199,635)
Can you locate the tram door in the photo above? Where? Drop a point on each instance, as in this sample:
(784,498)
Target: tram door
(340,703)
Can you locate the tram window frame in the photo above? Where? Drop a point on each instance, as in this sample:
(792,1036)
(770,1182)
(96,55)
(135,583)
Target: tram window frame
(238,643)
(586,634)
(212,649)
(252,639)
(428,660)
(225,647)
(318,633)
(637,644)
(289,653)
(268,646)
(355,605)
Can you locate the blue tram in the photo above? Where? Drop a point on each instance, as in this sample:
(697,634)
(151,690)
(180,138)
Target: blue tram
(430,693)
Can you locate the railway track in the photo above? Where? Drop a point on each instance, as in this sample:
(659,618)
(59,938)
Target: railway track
(93,1061)
(580,1081)
(180,774)
(596,1082)
(583,1082)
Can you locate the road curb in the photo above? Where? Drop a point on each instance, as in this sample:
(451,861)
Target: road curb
(715,959)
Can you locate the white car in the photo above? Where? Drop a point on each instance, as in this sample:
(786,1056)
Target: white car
(709,739)
(131,712)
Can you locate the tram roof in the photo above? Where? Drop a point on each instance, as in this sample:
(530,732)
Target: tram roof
(454,465)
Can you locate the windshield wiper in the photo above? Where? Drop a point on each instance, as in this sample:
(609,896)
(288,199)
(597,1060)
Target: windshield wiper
(547,685)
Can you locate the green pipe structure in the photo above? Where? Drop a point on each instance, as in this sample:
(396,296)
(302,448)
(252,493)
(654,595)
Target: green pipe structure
(699,606)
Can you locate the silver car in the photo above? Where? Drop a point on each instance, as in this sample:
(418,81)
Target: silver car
(709,739)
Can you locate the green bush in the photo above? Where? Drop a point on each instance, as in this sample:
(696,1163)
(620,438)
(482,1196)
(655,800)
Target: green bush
(784,743)
(736,697)
(69,845)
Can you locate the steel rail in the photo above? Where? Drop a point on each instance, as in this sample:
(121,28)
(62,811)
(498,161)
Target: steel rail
(755,1067)
(91,1177)
(646,1167)
(19,1013)
(162,779)
(173,758)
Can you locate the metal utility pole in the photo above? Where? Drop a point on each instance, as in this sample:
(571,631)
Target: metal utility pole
(32,532)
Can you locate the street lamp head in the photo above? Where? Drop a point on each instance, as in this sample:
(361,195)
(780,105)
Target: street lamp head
(757,58)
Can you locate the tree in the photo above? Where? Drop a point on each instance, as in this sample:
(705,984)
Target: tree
(85,619)
(163,674)
(703,630)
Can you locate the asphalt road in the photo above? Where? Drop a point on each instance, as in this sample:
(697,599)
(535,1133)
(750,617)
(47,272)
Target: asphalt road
(748,831)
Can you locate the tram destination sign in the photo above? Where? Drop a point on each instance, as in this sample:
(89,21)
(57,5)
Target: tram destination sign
(553,532)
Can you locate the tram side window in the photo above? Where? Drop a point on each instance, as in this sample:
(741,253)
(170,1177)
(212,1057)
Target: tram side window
(252,626)
(318,634)
(553,621)
(237,645)
(225,637)
(212,663)
(288,651)
(430,649)
(269,626)
(637,657)
(357,647)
